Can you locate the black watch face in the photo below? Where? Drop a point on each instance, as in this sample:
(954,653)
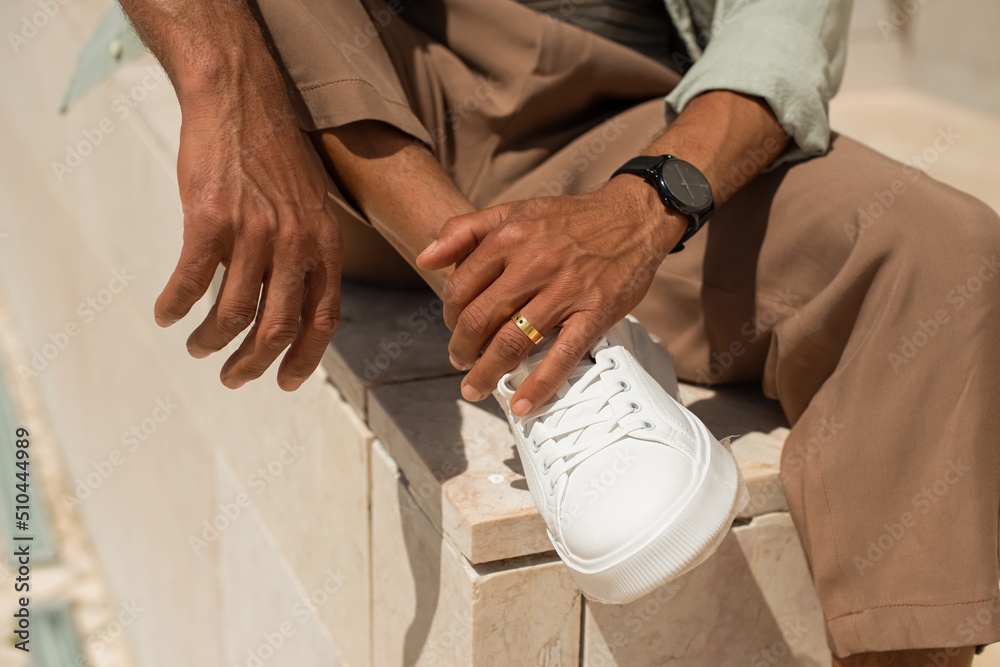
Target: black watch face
(687,184)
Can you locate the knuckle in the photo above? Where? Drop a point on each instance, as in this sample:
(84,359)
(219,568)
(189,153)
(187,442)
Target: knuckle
(509,346)
(450,225)
(211,230)
(288,278)
(210,211)
(474,322)
(190,287)
(261,223)
(325,322)
(327,253)
(544,260)
(296,237)
(454,292)
(511,233)
(568,353)
(602,301)
(235,317)
(545,383)
(278,333)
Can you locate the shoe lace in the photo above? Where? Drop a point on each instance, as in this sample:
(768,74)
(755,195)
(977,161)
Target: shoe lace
(561,428)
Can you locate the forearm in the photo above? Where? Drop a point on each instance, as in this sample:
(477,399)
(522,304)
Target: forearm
(370,159)
(209,50)
(730,137)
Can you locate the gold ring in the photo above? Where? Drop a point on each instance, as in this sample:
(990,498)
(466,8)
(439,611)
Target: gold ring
(525,326)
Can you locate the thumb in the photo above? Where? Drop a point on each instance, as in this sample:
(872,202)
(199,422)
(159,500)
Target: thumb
(460,236)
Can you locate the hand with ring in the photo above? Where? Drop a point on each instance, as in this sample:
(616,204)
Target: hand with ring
(578,263)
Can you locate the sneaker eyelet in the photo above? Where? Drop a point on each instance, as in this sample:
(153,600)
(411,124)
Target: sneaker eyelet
(552,489)
(545,469)
(635,406)
(624,385)
(534,446)
(649,426)
(614,364)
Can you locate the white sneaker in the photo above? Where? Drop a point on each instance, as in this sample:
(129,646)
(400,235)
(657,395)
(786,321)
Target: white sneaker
(632,487)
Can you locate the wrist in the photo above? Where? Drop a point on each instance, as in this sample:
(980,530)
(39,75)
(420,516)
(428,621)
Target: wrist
(203,75)
(238,89)
(198,75)
(237,65)
(664,224)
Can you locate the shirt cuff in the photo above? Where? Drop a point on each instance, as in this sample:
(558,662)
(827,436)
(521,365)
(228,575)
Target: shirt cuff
(776,59)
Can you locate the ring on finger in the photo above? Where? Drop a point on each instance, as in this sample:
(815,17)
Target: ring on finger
(525,326)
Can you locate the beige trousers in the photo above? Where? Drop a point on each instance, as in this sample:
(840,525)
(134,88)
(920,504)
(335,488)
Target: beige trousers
(862,293)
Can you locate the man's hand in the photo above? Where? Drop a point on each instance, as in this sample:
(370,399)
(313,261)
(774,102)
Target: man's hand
(253,195)
(582,262)
(579,262)
(254,200)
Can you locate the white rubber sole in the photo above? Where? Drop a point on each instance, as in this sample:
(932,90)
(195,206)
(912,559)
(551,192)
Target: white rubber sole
(683,544)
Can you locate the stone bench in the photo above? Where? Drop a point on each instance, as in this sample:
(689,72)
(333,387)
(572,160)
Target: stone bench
(462,571)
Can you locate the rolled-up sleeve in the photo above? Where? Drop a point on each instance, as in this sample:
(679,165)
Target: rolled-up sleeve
(791,53)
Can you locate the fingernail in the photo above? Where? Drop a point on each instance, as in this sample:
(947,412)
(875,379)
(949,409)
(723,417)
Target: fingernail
(198,354)
(162,321)
(457,364)
(521,407)
(471,394)
(429,249)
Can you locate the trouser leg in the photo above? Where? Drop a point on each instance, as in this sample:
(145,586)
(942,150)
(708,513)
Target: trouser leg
(865,294)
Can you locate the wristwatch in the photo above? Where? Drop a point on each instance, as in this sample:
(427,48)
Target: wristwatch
(680,186)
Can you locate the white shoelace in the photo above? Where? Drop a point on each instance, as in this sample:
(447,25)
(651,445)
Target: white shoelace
(559,426)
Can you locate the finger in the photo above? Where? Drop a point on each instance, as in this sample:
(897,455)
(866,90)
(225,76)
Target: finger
(574,340)
(320,319)
(200,256)
(460,236)
(277,327)
(480,320)
(509,346)
(471,278)
(247,346)
(234,309)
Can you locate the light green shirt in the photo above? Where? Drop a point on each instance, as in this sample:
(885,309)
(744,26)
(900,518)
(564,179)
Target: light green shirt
(789,52)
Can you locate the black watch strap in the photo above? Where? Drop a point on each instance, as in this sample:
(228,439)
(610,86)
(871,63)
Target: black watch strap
(647,163)
(648,167)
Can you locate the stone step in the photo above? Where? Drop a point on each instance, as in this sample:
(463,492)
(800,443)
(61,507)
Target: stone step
(463,572)
(390,360)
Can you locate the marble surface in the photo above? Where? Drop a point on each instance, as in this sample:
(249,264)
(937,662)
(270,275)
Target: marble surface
(462,466)
(386,336)
(309,490)
(433,607)
(752,603)
(76,575)
(270,615)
